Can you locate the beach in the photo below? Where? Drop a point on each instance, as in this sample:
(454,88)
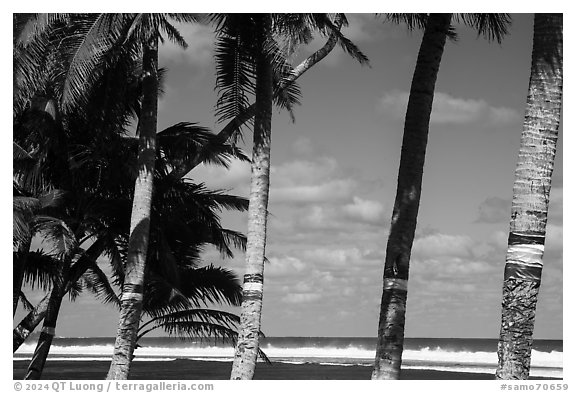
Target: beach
(181,369)
(296,358)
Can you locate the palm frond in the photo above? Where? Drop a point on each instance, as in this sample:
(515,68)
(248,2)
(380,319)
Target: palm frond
(183,141)
(198,286)
(40,270)
(29,27)
(237,239)
(97,282)
(57,233)
(285,96)
(411,21)
(75,289)
(172,33)
(235,70)
(88,48)
(25,302)
(492,26)
(348,46)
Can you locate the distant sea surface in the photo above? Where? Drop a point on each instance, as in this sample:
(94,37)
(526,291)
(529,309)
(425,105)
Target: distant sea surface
(441,354)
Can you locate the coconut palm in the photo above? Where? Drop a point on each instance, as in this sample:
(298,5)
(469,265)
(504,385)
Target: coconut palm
(36,315)
(530,199)
(30,218)
(135,34)
(437,28)
(251,60)
(144,29)
(184,213)
(46,127)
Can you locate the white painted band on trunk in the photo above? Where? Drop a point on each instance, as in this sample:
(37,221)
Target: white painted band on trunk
(253,286)
(526,254)
(132,295)
(524,235)
(535,264)
(395,283)
(534,248)
(49,330)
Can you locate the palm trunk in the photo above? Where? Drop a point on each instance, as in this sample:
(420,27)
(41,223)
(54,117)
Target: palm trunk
(132,291)
(18,276)
(530,199)
(248,336)
(38,361)
(34,317)
(19,259)
(393,305)
(29,323)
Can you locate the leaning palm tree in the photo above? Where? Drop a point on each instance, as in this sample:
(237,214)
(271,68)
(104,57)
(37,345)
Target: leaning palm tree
(29,218)
(437,28)
(530,199)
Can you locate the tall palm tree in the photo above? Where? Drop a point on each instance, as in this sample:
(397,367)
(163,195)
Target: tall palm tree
(530,199)
(247,346)
(437,28)
(145,28)
(250,60)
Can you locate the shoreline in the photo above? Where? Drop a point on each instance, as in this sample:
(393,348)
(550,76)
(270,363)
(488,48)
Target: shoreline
(184,369)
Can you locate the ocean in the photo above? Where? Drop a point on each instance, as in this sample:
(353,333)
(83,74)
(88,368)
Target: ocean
(441,354)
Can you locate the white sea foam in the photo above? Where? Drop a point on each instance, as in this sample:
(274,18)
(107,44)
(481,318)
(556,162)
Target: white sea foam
(548,364)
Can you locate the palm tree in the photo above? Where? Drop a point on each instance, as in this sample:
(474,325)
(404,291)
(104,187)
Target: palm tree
(145,28)
(437,28)
(36,315)
(250,61)
(530,199)
(30,217)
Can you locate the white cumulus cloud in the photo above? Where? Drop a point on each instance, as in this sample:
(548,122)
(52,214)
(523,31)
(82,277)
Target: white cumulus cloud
(447,109)
(200,40)
(364,210)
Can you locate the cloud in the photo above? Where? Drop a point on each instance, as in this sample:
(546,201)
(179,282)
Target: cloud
(284,266)
(334,190)
(236,177)
(447,109)
(363,210)
(301,297)
(440,244)
(200,40)
(310,181)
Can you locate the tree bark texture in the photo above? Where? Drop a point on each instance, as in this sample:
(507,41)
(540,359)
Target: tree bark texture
(523,269)
(248,337)
(404,217)
(29,323)
(132,291)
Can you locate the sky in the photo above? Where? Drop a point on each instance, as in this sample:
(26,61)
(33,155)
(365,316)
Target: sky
(333,183)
